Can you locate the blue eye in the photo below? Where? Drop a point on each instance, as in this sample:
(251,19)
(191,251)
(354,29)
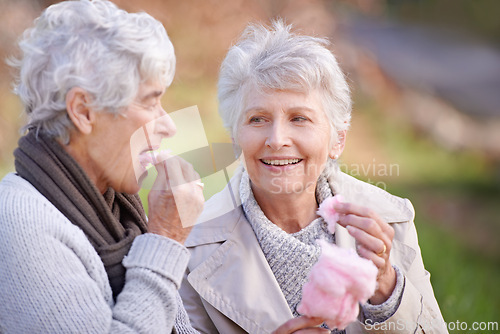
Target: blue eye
(256,119)
(299,119)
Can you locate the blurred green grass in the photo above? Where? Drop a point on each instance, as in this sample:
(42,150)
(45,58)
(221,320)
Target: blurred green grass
(465,280)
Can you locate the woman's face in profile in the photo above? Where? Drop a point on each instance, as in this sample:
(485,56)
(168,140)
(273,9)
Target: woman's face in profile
(285,140)
(128,137)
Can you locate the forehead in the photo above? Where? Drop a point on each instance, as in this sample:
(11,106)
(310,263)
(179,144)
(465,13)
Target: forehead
(271,98)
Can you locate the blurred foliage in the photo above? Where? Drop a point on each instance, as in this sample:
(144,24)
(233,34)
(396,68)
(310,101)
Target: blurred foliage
(480,17)
(418,156)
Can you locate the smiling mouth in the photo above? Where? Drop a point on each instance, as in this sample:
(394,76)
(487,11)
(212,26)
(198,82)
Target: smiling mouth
(284,162)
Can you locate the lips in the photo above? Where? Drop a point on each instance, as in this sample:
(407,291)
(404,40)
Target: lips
(280,162)
(148,158)
(151,157)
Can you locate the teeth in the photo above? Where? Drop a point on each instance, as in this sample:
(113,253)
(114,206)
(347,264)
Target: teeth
(281,162)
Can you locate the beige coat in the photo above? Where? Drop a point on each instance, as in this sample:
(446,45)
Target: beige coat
(230,288)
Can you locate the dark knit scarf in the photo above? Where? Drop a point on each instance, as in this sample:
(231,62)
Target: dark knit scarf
(110,221)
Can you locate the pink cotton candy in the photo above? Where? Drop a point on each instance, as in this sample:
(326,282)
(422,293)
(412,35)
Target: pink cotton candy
(338,282)
(328,213)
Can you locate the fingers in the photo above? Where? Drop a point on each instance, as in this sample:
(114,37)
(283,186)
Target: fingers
(378,261)
(350,208)
(367,243)
(362,236)
(312,331)
(346,209)
(176,200)
(373,235)
(302,325)
(368,221)
(174,171)
(367,224)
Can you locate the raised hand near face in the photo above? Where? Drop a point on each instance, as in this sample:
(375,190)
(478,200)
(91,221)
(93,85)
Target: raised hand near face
(176,199)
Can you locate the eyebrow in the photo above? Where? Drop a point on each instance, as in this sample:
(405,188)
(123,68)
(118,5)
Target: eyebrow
(153,94)
(301,108)
(293,109)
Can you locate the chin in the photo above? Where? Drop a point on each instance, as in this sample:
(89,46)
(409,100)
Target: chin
(132,184)
(131,187)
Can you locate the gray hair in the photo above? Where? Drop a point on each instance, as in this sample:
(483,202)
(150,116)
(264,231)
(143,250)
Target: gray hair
(277,59)
(92,45)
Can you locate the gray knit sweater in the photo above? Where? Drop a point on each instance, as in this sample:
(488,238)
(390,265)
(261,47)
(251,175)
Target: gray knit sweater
(291,256)
(53,281)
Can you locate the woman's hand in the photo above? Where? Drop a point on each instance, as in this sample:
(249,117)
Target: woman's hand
(374,242)
(176,199)
(302,325)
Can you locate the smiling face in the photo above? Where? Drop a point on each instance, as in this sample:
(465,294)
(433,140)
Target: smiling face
(115,150)
(285,140)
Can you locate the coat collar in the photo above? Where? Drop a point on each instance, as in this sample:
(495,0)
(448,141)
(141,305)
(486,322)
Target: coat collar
(391,208)
(210,228)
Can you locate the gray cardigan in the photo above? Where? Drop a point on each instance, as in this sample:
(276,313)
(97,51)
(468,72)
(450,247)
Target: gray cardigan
(53,281)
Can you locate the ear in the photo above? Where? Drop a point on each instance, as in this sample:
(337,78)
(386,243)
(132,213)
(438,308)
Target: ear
(77,106)
(338,146)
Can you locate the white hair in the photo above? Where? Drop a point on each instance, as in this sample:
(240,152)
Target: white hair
(92,45)
(276,59)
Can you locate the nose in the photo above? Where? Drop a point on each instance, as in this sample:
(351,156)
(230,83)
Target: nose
(164,125)
(278,136)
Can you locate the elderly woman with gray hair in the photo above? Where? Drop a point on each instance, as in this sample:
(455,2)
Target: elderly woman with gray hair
(287,106)
(77,254)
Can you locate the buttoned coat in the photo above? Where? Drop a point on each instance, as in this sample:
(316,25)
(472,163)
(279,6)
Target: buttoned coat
(230,288)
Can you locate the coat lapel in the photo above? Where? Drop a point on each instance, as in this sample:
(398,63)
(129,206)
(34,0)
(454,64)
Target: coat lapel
(237,280)
(391,208)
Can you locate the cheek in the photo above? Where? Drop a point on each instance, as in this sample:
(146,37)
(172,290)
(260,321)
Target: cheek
(319,151)
(247,141)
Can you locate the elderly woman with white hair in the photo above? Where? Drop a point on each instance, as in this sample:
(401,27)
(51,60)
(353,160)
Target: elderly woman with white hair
(287,105)
(77,254)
